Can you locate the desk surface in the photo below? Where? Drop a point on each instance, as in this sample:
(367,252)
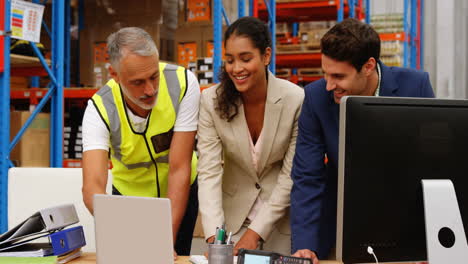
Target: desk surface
(90,258)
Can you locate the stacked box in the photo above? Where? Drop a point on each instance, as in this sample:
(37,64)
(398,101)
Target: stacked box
(192,66)
(66,142)
(100,52)
(205,64)
(198,10)
(101,64)
(210,49)
(34,146)
(312,32)
(18,82)
(388,23)
(205,70)
(73,137)
(391,53)
(205,77)
(186,52)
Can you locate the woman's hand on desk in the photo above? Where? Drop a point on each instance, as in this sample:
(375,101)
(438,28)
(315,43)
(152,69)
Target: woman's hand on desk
(305,253)
(249,240)
(210,240)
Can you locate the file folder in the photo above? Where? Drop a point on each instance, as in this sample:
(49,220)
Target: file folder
(41,223)
(67,240)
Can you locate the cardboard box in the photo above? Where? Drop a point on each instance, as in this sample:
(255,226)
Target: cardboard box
(205,77)
(18,82)
(210,48)
(186,52)
(200,34)
(101,74)
(100,52)
(33,150)
(101,18)
(205,64)
(198,10)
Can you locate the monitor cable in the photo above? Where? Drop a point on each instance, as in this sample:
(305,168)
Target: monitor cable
(370,250)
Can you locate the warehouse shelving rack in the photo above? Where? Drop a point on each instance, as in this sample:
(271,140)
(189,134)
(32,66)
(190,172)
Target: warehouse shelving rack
(274,11)
(294,11)
(58,73)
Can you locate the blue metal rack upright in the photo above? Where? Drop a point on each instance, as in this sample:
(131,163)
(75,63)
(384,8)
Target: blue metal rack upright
(57,76)
(4,119)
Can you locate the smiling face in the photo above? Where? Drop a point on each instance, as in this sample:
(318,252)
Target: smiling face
(244,63)
(138,77)
(343,79)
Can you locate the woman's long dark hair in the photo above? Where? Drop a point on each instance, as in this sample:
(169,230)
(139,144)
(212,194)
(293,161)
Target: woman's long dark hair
(228,98)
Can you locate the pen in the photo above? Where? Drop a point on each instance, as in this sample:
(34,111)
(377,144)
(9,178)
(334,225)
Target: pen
(228,241)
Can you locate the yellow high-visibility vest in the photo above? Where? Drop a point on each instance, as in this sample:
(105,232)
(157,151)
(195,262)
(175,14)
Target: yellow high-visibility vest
(141,160)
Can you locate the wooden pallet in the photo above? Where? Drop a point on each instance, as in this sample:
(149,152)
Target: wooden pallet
(309,72)
(283,73)
(296,48)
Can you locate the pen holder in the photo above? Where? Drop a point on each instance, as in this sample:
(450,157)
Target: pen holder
(220,254)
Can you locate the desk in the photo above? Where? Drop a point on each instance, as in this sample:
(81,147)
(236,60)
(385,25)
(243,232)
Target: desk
(90,258)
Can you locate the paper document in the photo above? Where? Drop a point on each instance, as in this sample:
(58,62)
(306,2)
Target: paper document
(29,250)
(26,20)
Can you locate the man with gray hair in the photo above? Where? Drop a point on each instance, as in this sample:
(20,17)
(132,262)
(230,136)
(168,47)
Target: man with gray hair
(144,119)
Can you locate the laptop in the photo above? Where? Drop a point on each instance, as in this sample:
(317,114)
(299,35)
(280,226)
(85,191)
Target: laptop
(133,230)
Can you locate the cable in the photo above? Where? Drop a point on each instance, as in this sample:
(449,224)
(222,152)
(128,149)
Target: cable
(370,250)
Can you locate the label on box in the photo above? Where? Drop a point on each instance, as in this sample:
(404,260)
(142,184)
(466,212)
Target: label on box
(78,148)
(67,129)
(66,135)
(204,81)
(65,148)
(78,155)
(209,74)
(79,135)
(65,142)
(204,67)
(209,60)
(79,142)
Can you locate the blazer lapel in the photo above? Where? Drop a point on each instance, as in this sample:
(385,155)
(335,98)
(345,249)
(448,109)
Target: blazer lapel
(388,84)
(241,133)
(273,107)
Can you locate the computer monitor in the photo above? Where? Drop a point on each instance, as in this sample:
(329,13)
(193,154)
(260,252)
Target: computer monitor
(386,147)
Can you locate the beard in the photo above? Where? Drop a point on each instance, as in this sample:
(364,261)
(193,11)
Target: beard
(138,101)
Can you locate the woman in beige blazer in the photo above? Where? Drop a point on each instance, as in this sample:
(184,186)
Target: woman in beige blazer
(246,141)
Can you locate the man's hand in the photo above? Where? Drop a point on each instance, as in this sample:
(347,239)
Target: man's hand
(175,255)
(249,240)
(305,253)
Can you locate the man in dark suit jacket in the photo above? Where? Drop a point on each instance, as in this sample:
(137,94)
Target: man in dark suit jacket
(350,53)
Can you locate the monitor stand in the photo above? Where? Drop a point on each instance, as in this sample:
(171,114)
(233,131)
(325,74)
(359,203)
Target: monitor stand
(445,235)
